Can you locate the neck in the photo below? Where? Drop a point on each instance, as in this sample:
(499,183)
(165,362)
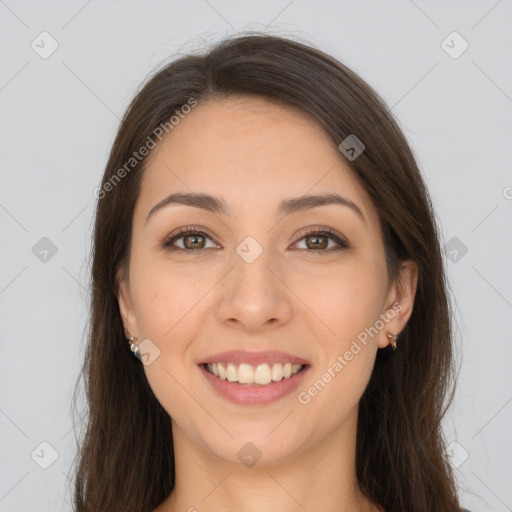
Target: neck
(321,477)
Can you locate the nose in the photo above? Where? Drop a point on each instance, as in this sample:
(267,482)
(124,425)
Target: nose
(255,296)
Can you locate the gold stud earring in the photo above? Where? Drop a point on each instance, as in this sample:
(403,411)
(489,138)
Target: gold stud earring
(392,339)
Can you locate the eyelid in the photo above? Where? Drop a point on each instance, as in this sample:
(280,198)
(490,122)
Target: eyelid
(322,231)
(185,230)
(303,233)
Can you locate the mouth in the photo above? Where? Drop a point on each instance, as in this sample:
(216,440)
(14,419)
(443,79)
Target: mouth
(249,378)
(259,375)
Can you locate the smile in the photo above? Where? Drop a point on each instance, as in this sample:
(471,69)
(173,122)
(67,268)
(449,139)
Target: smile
(262,374)
(252,393)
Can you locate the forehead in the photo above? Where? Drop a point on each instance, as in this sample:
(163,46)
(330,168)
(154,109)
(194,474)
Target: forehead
(251,151)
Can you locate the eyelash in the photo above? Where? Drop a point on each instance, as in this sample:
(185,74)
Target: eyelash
(192,230)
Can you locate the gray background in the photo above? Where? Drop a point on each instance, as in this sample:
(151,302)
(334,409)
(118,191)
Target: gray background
(58,118)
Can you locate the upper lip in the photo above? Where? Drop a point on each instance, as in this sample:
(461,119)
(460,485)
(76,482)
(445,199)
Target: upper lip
(253,358)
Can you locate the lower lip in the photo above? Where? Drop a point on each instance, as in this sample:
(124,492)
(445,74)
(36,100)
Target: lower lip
(250,394)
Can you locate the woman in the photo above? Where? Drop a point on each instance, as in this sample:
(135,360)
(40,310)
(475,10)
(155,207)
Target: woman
(266,247)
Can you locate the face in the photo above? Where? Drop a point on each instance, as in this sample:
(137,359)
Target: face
(257,279)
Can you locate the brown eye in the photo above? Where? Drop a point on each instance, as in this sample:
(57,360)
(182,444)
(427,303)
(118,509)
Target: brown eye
(191,240)
(194,241)
(318,241)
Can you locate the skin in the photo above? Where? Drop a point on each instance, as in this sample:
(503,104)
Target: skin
(255,153)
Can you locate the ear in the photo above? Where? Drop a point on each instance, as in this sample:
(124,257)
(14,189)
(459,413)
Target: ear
(399,301)
(126,309)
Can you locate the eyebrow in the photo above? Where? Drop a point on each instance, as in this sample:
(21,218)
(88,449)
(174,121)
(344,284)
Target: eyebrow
(218,205)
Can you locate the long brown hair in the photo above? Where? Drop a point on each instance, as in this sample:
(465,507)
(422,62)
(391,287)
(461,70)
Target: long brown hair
(125,459)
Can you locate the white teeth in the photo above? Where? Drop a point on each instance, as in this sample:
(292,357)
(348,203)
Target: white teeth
(247,374)
(262,374)
(231,372)
(222,371)
(277,372)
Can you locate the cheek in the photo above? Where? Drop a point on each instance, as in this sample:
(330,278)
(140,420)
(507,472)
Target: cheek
(349,304)
(168,304)
(166,298)
(347,301)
